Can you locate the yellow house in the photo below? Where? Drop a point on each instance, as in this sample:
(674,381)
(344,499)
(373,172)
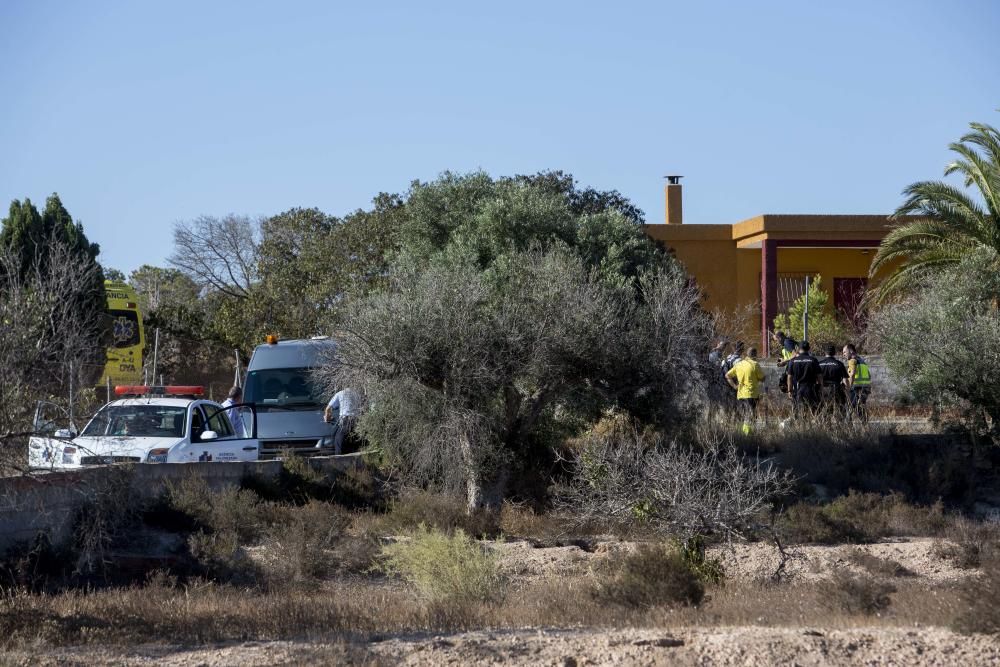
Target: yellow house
(763,261)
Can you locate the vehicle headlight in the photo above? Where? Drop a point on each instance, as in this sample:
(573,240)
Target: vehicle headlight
(157,455)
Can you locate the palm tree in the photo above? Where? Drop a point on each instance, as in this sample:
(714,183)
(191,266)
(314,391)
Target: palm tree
(939,224)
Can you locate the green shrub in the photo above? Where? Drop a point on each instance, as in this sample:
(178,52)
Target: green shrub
(708,570)
(824,327)
(446,568)
(651,576)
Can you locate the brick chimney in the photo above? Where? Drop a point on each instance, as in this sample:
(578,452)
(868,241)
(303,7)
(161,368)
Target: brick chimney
(675,213)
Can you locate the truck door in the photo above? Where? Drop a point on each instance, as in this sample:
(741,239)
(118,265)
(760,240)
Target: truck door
(44,446)
(213,437)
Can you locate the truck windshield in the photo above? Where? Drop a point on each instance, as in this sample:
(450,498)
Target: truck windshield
(146,421)
(286,388)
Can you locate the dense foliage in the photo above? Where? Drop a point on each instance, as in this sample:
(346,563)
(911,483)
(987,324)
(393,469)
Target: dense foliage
(944,343)
(288,274)
(37,247)
(513,317)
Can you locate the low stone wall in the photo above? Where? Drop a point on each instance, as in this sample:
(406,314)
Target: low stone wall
(48,502)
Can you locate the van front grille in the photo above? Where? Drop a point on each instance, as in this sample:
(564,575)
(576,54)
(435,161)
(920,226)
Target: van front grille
(271,449)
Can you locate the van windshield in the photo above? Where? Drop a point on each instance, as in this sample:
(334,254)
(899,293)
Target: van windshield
(286,388)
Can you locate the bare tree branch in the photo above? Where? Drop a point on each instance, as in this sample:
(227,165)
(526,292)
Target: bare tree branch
(220,253)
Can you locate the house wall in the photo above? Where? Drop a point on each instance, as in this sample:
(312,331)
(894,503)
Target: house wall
(729,276)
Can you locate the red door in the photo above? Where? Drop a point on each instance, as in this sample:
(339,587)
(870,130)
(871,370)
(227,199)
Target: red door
(847,295)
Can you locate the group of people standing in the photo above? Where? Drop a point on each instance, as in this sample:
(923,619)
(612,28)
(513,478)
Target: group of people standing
(826,386)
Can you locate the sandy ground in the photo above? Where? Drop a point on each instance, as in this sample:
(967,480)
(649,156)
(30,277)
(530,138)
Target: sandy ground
(715,646)
(882,644)
(742,562)
(569,648)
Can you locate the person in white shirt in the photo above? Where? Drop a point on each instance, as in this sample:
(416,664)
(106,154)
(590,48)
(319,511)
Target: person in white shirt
(235,396)
(345,402)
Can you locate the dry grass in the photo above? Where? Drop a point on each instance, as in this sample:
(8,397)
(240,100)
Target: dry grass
(201,612)
(970,543)
(860,517)
(805,604)
(300,547)
(880,567)
(872,458)
(979,600)
(415,507)
(651,576)
(856,594)
(292,561)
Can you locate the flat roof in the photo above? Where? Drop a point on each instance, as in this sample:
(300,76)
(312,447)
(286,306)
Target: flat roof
(781,226)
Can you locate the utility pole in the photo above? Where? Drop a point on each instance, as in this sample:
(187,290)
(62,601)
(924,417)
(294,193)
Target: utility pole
(156,348)
(72,426)
(805,316)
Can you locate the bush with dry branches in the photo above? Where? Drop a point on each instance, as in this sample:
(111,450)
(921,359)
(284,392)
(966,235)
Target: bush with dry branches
(48,340)
(670,487)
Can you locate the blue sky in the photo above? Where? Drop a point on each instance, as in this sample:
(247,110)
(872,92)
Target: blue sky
(143,114)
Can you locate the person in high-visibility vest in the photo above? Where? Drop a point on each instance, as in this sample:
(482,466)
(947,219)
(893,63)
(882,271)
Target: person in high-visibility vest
(745,377)
(787,349)
(859,381)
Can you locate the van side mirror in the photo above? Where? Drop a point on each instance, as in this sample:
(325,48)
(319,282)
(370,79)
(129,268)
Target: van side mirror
(65,434)
(208,435)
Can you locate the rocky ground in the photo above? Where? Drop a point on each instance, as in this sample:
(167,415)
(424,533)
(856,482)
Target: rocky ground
(742,562)
(880,642)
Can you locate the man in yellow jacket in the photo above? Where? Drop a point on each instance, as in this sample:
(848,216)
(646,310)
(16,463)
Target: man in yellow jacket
(745,377)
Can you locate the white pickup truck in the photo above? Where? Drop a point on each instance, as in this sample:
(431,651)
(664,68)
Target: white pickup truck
(152,425)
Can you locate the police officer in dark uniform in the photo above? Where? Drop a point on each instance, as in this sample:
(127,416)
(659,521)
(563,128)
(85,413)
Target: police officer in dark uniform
(804,379)
(834,398)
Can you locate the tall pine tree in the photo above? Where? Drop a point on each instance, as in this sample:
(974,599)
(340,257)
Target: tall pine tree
(31,237)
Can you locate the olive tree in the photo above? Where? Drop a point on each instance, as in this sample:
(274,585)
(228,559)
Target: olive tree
(466,371)
(943,343)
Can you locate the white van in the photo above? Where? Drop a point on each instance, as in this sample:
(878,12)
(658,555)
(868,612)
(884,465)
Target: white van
(289,406)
